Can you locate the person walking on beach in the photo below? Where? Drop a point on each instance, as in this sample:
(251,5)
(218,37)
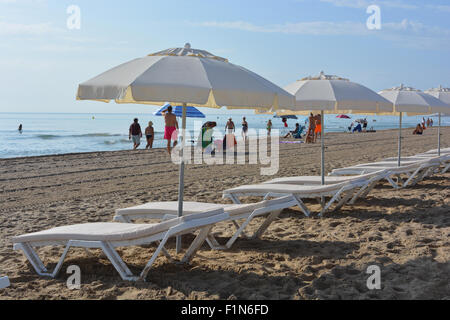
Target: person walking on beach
(230,127)
(269,127)
(149,135)
(318,128)
(170,131)
(244,128)
(135,134)
(312,125)
(365,123)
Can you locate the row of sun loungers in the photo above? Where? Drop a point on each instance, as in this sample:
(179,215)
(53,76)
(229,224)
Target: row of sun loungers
(343,187)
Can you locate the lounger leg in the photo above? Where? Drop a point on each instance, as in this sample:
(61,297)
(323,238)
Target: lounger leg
(238,227)
(117,262)
(392,182)
(213,243)
(365,192)
(196,244)
(333,199)
(33,258)
(301,205)
(153,258)
(37,263)
(265,225)
(446,168)
(240,231)
(234,198)
(361,191)
(343,201)
(411,177)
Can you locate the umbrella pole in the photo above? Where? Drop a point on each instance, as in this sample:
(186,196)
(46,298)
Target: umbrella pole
(181,185)
(439,136)
(400,141)
(322,147)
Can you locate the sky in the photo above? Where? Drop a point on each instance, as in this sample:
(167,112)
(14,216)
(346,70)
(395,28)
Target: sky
(42,61)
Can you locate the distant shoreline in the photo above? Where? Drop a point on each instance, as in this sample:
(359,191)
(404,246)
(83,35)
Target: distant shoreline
(394,131)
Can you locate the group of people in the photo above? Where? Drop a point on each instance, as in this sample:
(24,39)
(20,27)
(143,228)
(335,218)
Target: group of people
(170,132)
(314,128)
(420,128)
(360,126)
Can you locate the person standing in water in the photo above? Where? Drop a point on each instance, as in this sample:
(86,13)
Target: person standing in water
(269,127)
(244,128)
(150,135)
(20,128)
(170,131)
(135,134)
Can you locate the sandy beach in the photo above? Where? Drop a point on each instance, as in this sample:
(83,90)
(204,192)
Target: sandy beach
(406,233)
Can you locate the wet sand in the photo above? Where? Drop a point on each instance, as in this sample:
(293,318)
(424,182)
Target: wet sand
(406,232)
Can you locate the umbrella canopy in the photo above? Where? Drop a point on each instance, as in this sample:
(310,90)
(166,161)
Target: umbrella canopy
(191,112)
(442,94)
(182,76)
(343,116)
(411,101)
(333,94)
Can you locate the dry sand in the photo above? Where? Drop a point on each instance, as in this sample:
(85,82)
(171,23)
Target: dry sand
(404,232)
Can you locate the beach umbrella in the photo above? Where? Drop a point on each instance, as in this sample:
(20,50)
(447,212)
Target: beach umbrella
(191,112)
(442,94)
(184,76)
(343,116)
(412,102)
(333,94)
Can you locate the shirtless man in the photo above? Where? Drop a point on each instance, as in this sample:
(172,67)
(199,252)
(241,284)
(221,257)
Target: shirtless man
(318,129)
(170,131)
(230,127)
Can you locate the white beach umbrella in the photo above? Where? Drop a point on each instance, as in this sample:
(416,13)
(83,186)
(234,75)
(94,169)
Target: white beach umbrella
(442,94)
(333,94)
(184,76)
(411,101)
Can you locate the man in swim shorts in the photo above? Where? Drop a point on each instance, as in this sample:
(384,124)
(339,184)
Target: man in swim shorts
(171,129)
(318,129)
(135,134)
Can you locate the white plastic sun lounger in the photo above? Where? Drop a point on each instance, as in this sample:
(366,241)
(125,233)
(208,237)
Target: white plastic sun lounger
(443,159)
(414,172)
(371,181)
(4,282)
(108,236)
(339,192)
(237,212)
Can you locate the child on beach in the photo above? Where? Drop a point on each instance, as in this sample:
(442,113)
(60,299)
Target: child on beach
(150,135)
(269,127)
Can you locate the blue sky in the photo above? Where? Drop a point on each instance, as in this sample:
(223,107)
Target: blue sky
(42,61)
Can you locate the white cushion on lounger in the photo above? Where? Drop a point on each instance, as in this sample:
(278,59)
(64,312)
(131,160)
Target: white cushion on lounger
(286,188)
(108,231)
(168,208)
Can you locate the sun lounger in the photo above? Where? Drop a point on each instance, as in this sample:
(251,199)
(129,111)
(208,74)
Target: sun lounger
(4,282)
(371,181)
(339,192)
(414,172)
(444,160)
(271,209)
(108,236)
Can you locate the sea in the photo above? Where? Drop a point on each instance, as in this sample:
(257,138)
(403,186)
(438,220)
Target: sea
(63,133)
